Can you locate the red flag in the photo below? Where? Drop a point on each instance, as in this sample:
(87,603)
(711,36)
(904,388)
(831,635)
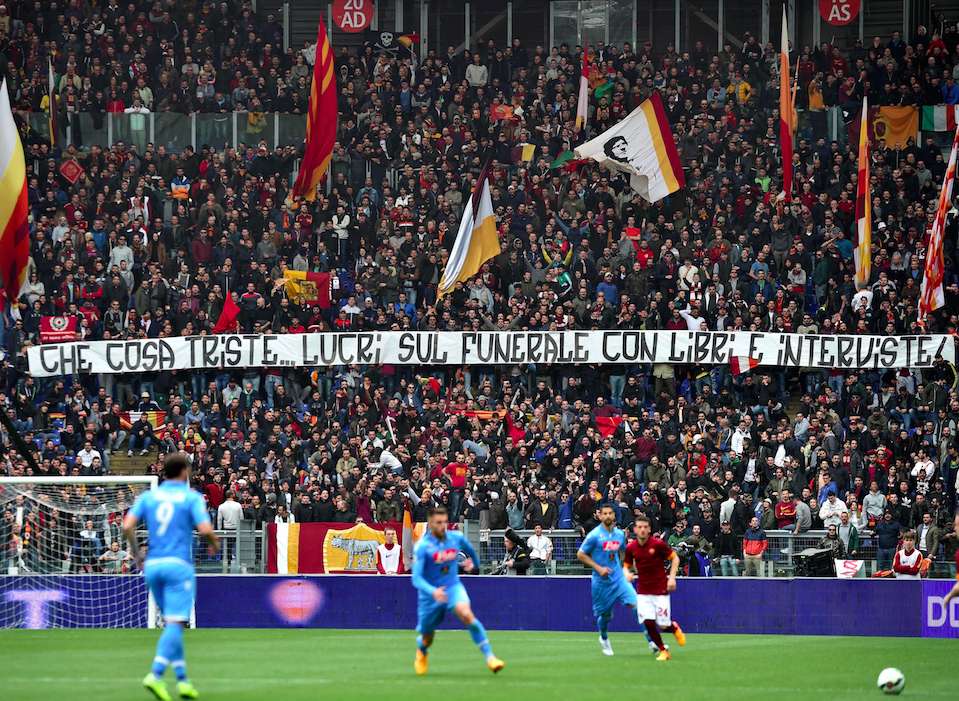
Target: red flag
(931,295)
(228,317)
(863,251)
(71,170)
(786,125)
(738,364)
(497,112)
(607,425)
(57,329)
(321,121)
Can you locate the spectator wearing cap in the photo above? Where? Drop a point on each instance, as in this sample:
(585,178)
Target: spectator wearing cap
(887,534)
(516,560)
(727,551)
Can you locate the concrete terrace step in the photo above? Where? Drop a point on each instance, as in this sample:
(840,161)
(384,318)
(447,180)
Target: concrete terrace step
(137,465)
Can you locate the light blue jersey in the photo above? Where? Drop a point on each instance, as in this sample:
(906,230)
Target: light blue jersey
(171,511)
(435,561)
(436,564)
(605,547)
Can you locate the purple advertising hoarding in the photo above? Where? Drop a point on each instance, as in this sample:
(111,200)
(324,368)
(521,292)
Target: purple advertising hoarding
(937,620)
(717,605)
(73,601)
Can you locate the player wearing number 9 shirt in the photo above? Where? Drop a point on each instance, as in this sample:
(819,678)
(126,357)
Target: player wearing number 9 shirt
(171,512)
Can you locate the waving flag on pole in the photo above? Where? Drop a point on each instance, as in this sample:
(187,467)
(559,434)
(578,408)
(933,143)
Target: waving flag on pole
(477,239)
(582,106)
(931,295)
(320,121)
(14,230)
(641,145)
(738,364)
(863,250)
(785,111)
(52,106)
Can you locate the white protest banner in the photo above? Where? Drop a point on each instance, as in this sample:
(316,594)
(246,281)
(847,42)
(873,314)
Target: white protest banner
(850,569)
(230,351)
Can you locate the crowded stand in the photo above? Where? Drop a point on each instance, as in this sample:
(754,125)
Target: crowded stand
(150,244)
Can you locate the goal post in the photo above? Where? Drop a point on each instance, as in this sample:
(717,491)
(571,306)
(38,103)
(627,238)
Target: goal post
(63,559)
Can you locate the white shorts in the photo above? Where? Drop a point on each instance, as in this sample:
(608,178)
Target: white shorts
(654,606)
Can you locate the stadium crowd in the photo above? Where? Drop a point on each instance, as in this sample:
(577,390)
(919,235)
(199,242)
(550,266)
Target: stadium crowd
(147,245)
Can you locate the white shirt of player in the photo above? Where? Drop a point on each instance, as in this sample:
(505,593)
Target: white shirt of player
(910,560)
(390,557)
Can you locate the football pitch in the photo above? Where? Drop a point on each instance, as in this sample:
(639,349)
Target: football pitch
(301,665)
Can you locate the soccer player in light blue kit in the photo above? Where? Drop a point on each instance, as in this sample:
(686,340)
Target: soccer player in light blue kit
(171,512)
(603,550)
(436,578)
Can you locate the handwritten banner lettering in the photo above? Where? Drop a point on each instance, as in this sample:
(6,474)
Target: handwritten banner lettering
(226,352)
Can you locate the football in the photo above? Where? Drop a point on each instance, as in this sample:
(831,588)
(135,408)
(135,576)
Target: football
(891,681)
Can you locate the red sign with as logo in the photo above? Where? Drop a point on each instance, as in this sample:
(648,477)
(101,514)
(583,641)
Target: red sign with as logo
(839,13)
(353,16)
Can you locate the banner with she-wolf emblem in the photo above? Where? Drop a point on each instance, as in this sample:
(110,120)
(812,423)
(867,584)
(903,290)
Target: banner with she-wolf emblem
(308,288)
(318,548)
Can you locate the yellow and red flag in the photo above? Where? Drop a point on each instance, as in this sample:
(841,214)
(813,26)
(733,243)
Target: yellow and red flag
(308,288)
(786,124)
(320,121)
(14,230)
(863,250)
(931,294)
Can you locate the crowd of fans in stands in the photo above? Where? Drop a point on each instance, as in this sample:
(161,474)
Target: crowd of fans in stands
(148,245)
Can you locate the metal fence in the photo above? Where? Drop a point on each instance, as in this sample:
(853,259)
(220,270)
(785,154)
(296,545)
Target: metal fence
(174,130)
(242,551)
(779,560)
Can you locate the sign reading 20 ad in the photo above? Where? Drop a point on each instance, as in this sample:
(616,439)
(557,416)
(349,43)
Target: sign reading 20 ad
(353,16)
(228,351)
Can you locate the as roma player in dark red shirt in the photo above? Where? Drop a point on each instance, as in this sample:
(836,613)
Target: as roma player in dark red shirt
(954,592)
(648,555)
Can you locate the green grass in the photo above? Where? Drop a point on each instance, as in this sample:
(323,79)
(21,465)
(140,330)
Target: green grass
(301,665)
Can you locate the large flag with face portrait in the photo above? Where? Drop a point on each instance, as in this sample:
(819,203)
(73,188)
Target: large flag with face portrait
(641,145)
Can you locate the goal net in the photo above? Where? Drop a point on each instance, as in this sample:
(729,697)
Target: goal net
(63,559)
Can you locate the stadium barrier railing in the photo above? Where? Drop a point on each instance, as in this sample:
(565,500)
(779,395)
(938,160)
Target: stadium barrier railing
(779,560)
(175,131)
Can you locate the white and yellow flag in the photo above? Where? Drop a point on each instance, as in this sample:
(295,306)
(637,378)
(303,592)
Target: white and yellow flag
(476,241)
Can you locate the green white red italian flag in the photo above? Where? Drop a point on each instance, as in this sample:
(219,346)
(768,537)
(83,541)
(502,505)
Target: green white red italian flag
(939,118)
